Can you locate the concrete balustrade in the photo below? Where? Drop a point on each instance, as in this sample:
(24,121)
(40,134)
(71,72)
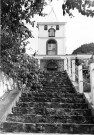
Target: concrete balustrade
(65,64)
(80,76)
(92,81)
(69,68)
(73,70)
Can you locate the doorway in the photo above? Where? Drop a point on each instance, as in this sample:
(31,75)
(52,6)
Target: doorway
(52,66)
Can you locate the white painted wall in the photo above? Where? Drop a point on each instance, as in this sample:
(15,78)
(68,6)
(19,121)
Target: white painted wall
(61,46)
(6,83)
(58,33)
(61,49)
(61,31)
(59,37)
(42,46)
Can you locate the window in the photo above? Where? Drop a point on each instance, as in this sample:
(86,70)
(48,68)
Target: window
(45,27)
(51,47)
(51,32)
(57,27)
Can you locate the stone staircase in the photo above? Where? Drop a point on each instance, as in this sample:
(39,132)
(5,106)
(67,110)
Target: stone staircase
(54,108)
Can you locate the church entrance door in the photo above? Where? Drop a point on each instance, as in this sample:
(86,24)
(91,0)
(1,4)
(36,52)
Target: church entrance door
(52,66)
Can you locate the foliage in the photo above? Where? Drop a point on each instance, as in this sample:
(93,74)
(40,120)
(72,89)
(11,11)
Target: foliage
(85,7)
(14,34)
(22,68)
(84,49)
(87,88)
(14,31)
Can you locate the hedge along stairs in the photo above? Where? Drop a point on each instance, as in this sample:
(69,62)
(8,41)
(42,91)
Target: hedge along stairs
(55,108)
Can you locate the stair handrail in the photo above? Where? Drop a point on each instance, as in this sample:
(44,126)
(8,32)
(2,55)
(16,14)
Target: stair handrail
(83,80)
(76,69)
(75,73)
(77,76)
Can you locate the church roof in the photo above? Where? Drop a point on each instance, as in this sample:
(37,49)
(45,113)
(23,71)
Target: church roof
(52,16)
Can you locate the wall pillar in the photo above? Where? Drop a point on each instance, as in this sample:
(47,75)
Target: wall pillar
(69,67)
(39,62)
(92,81)
(80,78)
(73,70)
(65,64)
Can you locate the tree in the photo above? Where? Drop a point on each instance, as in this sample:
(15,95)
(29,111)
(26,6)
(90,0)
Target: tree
(24,71)
(13,12)
(14,33)
(84,49)
(85,7)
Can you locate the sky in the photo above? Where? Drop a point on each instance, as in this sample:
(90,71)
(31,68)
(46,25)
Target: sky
(79,29)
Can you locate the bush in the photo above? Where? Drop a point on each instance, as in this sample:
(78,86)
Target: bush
(24,70)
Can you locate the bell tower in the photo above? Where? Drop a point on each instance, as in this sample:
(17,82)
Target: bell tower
(51,40)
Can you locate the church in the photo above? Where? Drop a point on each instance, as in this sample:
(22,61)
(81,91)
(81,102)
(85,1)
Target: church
(50,104)
(51,43)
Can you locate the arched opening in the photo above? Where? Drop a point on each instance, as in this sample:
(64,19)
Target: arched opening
(52,66)
(51,47)
(51,32)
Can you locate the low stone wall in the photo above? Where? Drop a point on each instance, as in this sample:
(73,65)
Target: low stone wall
(6,83)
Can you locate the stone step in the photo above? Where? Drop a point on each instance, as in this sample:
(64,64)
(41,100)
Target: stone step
(56,86)
(54,90)
(53,108)
(51,95)
(53,105)
(48,99)
(54,79)
(51,111)
(57,82)
(52,85)
(54,76)
(57,78)
(14,127)
(50,119)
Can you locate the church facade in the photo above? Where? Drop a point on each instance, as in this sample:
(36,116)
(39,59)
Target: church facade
(51,43)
